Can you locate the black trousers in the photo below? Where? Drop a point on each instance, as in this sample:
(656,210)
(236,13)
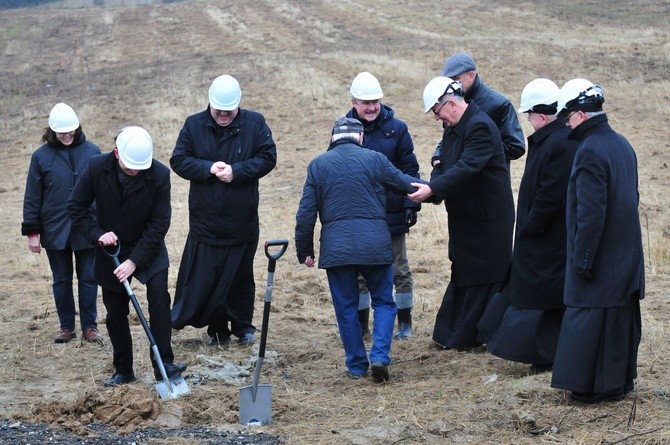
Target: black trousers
(118,309)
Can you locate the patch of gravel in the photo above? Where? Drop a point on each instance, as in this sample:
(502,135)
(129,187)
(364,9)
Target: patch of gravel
(22,433)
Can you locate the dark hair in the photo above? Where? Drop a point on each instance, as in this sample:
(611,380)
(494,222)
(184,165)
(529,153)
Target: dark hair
(49,136)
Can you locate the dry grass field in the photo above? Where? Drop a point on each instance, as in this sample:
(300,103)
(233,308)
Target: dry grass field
(151,65)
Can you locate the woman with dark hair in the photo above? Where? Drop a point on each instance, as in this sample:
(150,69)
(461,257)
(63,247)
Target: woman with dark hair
(54,169)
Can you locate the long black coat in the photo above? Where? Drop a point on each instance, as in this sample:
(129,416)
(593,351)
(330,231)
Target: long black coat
(603,221)
(474,183)
(224,214)
(538,261)
(140,220)
(53,172)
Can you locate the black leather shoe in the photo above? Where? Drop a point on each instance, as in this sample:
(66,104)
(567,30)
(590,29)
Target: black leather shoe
(595,397)
(171,370)
(218,340)
(246,339)
(120,379)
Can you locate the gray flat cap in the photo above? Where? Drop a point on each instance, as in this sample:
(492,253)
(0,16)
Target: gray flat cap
(347,125)
(458,64)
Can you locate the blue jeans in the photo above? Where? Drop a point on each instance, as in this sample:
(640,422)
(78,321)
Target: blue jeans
(60,262)
(343,283)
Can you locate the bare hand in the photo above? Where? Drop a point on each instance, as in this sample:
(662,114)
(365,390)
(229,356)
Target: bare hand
(226,175)
(424,192)
(108,239)
(125,270)
(309,261)
(34,244)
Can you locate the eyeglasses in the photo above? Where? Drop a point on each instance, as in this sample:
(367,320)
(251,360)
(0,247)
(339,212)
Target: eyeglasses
(569,116)
(437,111)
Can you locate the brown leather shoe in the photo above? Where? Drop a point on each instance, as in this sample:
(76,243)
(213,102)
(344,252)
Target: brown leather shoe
(65,336)
(92,335)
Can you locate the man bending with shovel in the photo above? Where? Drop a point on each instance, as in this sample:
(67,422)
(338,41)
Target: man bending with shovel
(346,187)
(131,191)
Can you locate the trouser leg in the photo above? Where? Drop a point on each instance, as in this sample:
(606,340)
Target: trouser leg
(60,262)
(117,305)
(344,291)
(87,288)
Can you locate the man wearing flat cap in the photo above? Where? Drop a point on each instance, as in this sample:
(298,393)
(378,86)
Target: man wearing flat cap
(461,67)
(346,188)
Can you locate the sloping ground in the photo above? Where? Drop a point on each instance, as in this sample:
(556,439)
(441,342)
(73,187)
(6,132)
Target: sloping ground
(152,65)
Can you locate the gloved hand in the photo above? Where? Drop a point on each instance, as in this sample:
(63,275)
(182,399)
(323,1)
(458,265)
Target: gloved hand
(410,217)
(584,274)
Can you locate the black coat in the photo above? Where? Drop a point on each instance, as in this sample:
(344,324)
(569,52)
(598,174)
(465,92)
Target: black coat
(220,213)
(502,113)
(603,221)
(474,183)
(53,172)
(140,220)
(538,261)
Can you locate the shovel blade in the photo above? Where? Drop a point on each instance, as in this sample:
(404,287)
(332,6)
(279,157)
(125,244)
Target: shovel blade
(172,388)
(259,411)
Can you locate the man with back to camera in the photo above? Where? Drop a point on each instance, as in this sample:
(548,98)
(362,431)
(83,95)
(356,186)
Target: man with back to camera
(596,356)
(131,191)
(346,188)
(526,324)
(388,135)
(473,181)
(223,151)
(462,68)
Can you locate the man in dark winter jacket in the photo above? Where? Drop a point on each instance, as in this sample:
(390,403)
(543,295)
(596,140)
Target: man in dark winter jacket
(223,151)
(388,135)
(461,67)
(596,357)
(347,187)
(131,191)
(526,315)
(473,181)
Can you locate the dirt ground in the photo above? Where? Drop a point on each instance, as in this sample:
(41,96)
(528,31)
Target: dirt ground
(151,65)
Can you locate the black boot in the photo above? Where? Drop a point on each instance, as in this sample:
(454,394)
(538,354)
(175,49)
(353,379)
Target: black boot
(364,320)
(404,324)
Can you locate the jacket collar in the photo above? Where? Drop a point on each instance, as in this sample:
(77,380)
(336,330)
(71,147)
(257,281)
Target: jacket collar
(544,132)
(583,130)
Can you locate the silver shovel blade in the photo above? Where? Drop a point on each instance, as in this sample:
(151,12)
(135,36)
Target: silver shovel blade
(172,388)
(259,411)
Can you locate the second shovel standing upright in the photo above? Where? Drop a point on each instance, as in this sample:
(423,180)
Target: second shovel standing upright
(256,400)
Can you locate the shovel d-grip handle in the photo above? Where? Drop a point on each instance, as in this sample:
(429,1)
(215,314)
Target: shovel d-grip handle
(273,257)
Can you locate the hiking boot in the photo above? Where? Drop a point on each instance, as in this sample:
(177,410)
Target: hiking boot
(120,379)
(65,336)
(404,324)
(380,372)
(92,335)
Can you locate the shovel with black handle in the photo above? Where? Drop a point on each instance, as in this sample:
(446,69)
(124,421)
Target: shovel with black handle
(256,400)
(168,388)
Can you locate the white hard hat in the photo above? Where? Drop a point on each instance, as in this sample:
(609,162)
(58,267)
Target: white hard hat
(225,93)
(365,86)
(63,119)
(539,96)
(438,87)
(135,148)
(580,94)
